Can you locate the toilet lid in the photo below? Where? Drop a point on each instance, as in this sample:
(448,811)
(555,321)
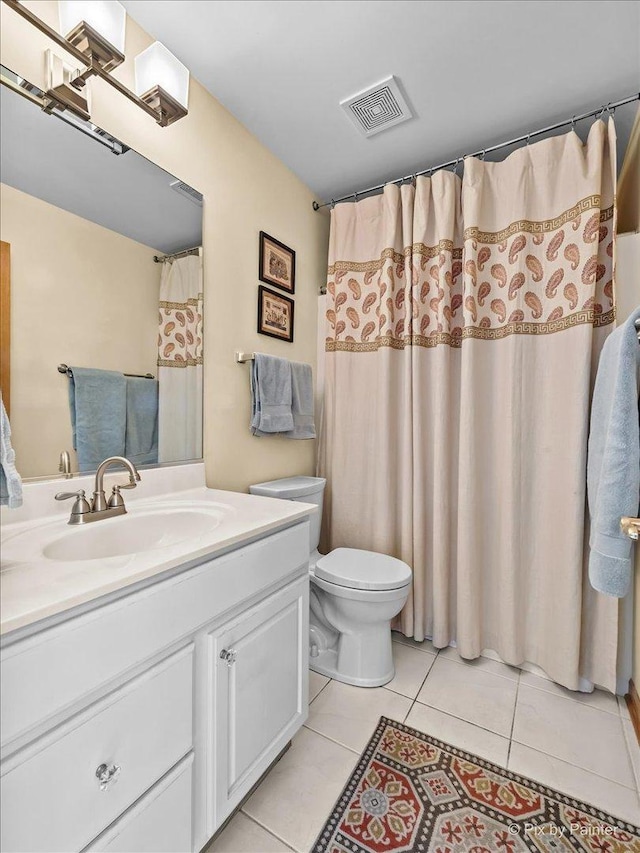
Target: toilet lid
(358,569)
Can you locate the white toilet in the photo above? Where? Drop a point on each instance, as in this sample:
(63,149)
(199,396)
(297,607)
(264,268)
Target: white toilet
(354,596)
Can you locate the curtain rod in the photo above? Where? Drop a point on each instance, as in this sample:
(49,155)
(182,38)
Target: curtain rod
(610,107)
(161,259)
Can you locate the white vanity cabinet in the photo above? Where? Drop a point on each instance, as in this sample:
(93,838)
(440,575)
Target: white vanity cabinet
(257,704)
(141,723)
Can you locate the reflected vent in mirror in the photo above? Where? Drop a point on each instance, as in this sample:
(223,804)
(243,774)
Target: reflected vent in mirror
(187,191)
(377,108)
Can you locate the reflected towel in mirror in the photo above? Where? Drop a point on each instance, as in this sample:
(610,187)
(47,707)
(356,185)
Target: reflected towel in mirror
(141,433)
(10,481)
(98,408)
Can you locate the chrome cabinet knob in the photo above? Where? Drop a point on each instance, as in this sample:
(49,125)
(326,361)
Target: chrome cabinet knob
(108,775)
(228,656)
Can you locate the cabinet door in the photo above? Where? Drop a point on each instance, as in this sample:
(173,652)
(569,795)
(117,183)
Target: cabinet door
(259,693)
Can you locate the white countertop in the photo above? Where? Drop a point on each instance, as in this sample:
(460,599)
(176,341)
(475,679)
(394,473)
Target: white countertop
(33,587)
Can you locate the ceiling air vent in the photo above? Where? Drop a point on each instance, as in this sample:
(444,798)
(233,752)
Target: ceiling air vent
(377,108)
(187,191)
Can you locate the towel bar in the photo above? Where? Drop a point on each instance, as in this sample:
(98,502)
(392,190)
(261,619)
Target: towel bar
(244,357)
(63,368)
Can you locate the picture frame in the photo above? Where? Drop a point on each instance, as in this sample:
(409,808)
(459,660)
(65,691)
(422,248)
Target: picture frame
(277,264)
(275,314)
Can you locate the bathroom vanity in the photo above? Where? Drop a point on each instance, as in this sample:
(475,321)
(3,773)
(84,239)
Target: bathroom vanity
(144,694)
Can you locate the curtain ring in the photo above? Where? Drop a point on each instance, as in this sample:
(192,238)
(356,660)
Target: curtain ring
(333,203)
(528,138)
(430,172)
(573,123)
(355,196)
(611,110)
(484,151)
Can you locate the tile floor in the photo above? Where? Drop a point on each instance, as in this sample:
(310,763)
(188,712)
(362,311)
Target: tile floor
(583,745)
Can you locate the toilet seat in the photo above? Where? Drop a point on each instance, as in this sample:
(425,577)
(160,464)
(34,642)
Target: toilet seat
(363,570)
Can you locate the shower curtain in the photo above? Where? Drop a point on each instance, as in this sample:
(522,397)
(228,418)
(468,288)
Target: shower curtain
(465,318)
(180,360)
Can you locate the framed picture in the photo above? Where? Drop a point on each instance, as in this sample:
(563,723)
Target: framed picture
(277,263)
(275,314)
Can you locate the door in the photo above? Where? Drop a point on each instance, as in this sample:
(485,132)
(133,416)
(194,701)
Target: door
(5,324)
(258,697)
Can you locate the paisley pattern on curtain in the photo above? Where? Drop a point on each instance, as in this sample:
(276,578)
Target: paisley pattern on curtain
(529,278)
(463,326)
(180,333)
(180,360)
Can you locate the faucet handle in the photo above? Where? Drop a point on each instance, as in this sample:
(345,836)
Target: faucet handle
(81,505)
(64,496)
(116,499)
(130,485)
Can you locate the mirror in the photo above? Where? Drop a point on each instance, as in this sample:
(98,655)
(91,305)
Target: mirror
(87,225)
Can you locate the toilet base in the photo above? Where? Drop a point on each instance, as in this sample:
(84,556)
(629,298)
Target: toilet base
(326,663)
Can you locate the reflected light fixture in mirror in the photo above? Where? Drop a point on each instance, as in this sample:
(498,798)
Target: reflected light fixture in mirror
(162,81)
(95,36)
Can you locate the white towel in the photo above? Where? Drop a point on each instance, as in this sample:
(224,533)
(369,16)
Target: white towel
(10,481)
(613,466)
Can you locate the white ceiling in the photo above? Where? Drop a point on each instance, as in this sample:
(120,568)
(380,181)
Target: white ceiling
(475,73)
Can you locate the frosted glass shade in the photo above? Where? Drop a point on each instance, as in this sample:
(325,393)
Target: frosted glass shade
(107,17)
(157,66)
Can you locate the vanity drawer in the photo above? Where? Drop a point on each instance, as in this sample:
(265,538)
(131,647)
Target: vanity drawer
(51,799)
(48,672)
(159,823)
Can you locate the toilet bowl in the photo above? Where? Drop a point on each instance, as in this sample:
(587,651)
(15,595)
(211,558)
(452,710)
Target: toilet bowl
(354,595)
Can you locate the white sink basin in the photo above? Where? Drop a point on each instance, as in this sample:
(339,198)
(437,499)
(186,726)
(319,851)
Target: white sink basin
(140,531)
(131,534)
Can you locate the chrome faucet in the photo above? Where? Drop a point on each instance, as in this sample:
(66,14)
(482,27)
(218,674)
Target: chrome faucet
(82,512)
(65,464)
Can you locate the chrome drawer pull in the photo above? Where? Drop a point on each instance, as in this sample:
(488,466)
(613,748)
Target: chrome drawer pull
(108,775)
(229,656)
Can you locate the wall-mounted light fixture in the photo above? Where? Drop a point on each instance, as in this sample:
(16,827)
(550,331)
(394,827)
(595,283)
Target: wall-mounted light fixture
(162,81)
(94,32)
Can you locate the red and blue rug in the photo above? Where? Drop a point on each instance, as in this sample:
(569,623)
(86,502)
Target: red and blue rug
(411,792)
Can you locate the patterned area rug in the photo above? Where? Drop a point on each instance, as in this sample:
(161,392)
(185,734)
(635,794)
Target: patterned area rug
(411,792)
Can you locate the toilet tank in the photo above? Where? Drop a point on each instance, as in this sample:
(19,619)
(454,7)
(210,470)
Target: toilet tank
(309,490)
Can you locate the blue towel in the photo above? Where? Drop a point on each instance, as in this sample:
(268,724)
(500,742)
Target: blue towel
(141,434)
(10,482)
(613,467)
(270,395)
(301,402)
(98,406)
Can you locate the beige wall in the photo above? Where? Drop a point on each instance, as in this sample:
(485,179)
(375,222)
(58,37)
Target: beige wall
(627,275)
(93,307)
(629,183)
(246,189)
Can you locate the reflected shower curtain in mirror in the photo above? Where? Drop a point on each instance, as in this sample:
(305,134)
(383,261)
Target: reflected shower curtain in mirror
(180,360)
(464,322)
